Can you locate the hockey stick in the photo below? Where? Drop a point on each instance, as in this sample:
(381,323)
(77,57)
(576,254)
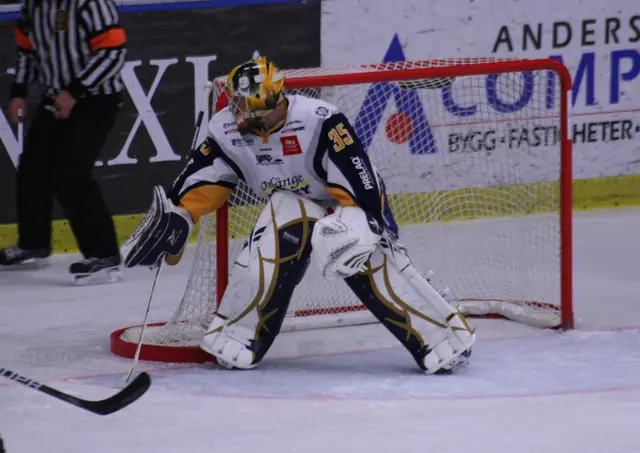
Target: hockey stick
(136,357)
(205,101)
(114,403)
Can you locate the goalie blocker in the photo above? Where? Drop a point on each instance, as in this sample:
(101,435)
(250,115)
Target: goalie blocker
(163,232)
(349,245)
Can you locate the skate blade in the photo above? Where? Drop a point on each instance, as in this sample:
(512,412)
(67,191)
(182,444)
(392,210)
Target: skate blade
(27,265)
(105,276)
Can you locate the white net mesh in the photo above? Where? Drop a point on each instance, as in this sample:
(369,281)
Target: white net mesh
(472,167)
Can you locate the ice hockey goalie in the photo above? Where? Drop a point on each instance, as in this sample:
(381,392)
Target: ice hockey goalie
(327,204)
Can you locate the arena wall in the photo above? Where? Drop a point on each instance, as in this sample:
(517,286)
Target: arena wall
(176,46)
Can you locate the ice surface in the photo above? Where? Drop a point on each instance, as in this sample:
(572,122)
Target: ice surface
(526,390)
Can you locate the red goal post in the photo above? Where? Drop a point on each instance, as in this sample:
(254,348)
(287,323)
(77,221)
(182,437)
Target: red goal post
(546,221)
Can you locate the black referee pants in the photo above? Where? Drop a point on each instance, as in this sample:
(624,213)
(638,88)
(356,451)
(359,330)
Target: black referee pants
(58,160)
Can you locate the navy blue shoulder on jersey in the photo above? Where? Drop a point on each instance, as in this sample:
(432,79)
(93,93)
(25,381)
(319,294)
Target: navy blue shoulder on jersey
(203,156)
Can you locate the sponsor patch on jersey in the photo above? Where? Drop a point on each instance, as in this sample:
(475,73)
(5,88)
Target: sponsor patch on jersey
(290,145)
(266,159)
(296,184)
(292,126)
(293,129)
(205,148)
(242,141)
(322,111)
(365,177)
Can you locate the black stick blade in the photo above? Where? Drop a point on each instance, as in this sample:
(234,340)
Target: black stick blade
(125,397)
(114,403)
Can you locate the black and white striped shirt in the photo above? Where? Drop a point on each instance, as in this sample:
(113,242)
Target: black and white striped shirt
(69,45)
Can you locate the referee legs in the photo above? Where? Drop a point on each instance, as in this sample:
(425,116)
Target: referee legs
(35,198)
(82,137)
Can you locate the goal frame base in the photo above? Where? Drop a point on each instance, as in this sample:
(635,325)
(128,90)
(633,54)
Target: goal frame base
(193,354)
(157,353)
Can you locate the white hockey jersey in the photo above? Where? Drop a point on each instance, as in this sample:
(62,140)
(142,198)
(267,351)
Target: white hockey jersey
(316,153)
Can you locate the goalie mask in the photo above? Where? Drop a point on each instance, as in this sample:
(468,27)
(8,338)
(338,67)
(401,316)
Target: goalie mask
(254,89)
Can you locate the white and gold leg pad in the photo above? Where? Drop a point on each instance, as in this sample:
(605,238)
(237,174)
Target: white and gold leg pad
(262,281)
(404,300)
(231,345)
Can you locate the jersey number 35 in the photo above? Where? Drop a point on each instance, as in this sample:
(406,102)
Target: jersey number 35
(340,137)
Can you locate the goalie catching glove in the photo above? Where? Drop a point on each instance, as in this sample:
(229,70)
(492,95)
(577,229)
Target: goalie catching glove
(164,231)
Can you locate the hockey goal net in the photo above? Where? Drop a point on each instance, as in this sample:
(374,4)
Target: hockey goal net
(476,157)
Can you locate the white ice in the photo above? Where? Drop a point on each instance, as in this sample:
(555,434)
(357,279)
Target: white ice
(526,390)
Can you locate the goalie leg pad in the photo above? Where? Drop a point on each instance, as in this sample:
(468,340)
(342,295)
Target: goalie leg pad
(405,302)
(232,345)
(262,281)
(164,231)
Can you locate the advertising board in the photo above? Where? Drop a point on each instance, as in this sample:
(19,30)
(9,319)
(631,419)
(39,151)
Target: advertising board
(599,42)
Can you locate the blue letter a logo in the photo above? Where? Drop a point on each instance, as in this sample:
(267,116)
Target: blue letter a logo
(408,105)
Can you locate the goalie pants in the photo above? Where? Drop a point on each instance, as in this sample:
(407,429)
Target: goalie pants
(58,159)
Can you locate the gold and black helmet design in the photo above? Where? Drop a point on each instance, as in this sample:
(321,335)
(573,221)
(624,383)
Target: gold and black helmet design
(254,89)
